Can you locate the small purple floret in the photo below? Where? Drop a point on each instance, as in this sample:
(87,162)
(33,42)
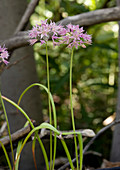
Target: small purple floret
(4,55)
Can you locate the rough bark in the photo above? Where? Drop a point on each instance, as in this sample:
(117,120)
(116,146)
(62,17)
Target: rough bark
(115,151)
(18,77)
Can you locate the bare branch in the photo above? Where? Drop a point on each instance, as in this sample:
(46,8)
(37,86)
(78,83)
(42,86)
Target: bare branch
(16,136)
(16,41)
(91,142)
(25,19)
(22,133)
(94,17)
(85,19)
(99,133)
(84,132)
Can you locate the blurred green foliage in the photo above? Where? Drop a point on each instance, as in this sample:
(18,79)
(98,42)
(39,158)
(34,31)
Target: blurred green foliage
(95,69)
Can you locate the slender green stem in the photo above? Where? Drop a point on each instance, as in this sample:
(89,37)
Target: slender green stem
(48,84)
(20,109)
(33,151)
(71,105)
(54,155)
(41,144)
(50,116)
(51,98)
(6,155)
(54,113)
(67,153)
(27,117)
(8,128)
(81,149)
(18,149)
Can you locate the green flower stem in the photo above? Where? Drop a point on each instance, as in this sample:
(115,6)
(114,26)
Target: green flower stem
(54,155)
(50,116)
(81,149)
(43,125)
(71,105)
(6,155)
(18,149)
(51,99)
(48,84)
(52,128)
(8,128)
(67,153)
(44,152)
(20,109)
(41,144)
(54,113)
(39,140)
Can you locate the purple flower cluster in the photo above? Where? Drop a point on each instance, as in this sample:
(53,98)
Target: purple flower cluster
(72,35)
(4,55)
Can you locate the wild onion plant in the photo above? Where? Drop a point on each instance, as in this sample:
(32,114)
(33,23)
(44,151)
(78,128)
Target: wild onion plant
(72,36)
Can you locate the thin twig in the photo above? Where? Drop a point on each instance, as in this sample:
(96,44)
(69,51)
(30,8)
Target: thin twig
(16,62)
(2,129)
(26,16)
(91,142)
(16,136)
(99,133)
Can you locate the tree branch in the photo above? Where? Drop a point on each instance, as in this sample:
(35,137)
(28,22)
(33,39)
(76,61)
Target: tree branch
(85,19)
(94,17)
(99,133)
(16,41)
(22,133)
(16,136)
(25,19)
(91,142)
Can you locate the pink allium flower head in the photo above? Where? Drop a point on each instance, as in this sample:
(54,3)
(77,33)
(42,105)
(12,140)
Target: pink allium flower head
(72,35)
(42,31)
(75,37)
(4,55)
